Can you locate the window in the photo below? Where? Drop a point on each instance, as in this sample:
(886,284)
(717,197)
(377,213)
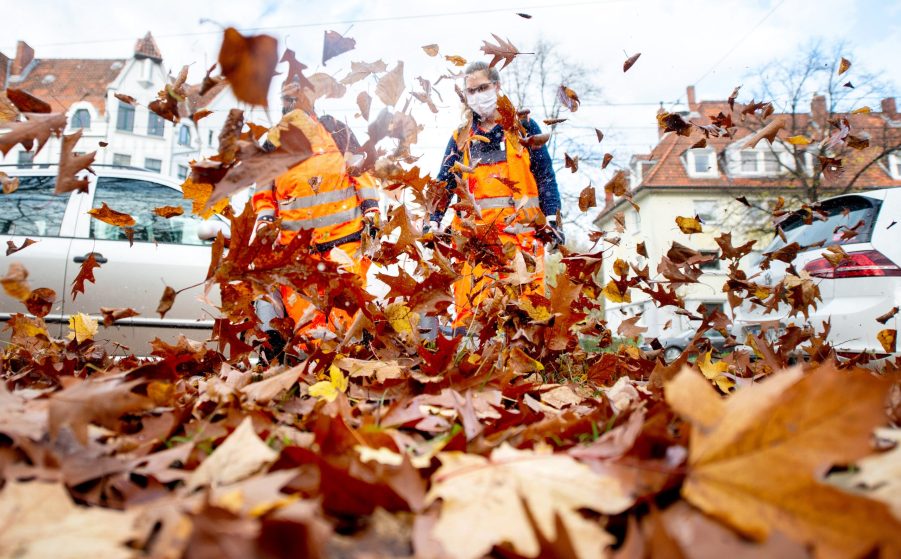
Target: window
(706,210)
(81,119)
(701,162)
(762,161)
(770,162)
(32,209)
(155,124)
(182,172)
(138,199)
(125,119)
(894,165)
(711,265)
(184,136)
(154,165)
(857,213)
(26,158)
(121,160)
(748,161)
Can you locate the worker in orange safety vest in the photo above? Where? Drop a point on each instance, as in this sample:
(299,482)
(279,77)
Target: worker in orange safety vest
(319,195)
(512,186)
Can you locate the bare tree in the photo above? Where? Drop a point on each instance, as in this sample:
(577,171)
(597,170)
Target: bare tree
(532,82)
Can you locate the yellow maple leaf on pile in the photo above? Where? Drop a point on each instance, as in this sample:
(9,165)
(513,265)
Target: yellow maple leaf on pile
(328,390)
(82,327)
(715,371)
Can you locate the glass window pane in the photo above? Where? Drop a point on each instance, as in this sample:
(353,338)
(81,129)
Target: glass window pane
(139,199)
(81,119)
(702,161)
(125,117)
(749,161)
(154,165)
(25,158)
(155,124)
(184,136)
(121,160)
(182,172)
(770,162)
(32,209)
(843,214)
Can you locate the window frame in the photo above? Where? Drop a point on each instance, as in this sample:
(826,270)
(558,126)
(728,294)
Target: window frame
(125,112)
(691,161)
(184,135)
(157,169)
(762,157)
(121,165)
(75,125)
(152,120)
(21,164)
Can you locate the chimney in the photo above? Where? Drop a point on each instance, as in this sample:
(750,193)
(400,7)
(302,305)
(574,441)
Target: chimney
(818,109)
(690,93)
(24,56)
(889,107)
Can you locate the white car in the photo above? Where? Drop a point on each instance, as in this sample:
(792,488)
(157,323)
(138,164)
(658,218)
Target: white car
(165,252)
(862,287)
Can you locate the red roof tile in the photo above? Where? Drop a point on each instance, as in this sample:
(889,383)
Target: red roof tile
(63,81)
(147,48)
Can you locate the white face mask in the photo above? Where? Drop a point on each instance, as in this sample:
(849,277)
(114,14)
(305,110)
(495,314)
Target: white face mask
(484,103)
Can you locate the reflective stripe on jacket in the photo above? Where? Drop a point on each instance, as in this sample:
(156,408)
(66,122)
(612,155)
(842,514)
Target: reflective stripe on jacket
(318,193)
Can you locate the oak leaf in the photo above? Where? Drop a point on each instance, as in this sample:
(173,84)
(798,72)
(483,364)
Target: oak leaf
(11,247)
(37,128)
(249,65)
(85,273)
(71,164)
(108,215)
(503,50)
(334,44)
(756,459)
(489,500)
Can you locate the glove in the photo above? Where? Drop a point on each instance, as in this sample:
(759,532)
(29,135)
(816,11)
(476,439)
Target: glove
(557,236)
(372,222)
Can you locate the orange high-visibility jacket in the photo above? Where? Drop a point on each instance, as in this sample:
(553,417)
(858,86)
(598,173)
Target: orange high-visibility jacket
(318,193)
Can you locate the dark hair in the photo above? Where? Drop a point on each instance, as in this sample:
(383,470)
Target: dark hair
(478,66)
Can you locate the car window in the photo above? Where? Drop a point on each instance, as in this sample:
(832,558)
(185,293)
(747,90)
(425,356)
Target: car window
(842,214)
(33,209)
(139,198)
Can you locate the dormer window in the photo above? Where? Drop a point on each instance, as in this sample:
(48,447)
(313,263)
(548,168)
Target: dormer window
(81,119)
(701,163)
(759,162)
(894,166)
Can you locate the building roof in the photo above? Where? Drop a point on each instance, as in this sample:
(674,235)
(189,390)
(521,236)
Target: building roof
(665,167)
(63,81)
(146,47)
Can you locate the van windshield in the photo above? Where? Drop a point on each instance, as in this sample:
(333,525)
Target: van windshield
(857,213)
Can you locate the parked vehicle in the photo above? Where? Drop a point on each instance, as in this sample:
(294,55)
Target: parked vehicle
(166,252)
(674,345)
(864,285)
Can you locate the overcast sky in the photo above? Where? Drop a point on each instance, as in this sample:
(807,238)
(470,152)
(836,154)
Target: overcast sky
(714,44)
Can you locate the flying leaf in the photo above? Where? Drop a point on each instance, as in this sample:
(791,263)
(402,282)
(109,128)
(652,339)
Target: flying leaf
(391,85)
(248,63)
(702,143)
(571,162)
(108,215)
(524,16)
(334,44)
(127,99)
(199,194)
(11,247)
(861,111)
(456,60)
(843,66)
(9,185)
(488,498)
(608,157)
(82,327)
(85,273)
(630,61)
(503,50)
(768,132)
(629,328)
(882,319)
(887,339)
(362,70)
(689,225)
(202,113)
(612,292)
(40,301)
(799,140)
(111,315)
(37,128)
(15,282)
(600,135)
(26,102)
(169,211)
(587,198)
(553,121)
(673,122)
(431,50)
(618,185)
(71,164)
(536,140)
(568,98)
(849,85)
(364,102)
(166,301)
(715,371)
(825,416)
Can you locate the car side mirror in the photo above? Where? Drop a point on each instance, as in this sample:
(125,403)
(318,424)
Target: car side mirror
(212,227)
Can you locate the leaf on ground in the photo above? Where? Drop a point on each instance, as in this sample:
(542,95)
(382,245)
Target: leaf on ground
(757,458)
(249,65)
(487,499)
(268,389)
(101,402)
(82,327)
(880,474)
(334,44)
(328,390)
(241,455)
(40,519)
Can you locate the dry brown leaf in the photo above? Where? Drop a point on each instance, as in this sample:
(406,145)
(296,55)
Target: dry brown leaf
(608,157)
(240,456)
(108,215)
(760,475)
(688,225)
(887,339)
(503,50)
(882,319)
(268,389)
(70,165)
(587,199)
(456,60)
(15,282)
(111,315)
(334,44)
(618,185)
(166,301)
(768,132)
(169,211)
(37,128)
(630,61)
(391,85)
(26,102)
(431,50)
(568,98)
(11,247)
(9,185)
(843,66)
(248,63)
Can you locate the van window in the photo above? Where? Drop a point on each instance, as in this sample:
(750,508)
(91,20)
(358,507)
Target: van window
(139,198)
(33,209)
(842,214)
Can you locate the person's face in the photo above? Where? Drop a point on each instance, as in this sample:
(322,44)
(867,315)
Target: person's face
(477,82)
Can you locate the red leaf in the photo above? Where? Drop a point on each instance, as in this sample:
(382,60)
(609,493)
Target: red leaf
(26,102)
(608,157)
(12,248)
(86,273)
(630,61)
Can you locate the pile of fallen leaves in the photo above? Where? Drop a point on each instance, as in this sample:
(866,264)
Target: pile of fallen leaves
(539,433)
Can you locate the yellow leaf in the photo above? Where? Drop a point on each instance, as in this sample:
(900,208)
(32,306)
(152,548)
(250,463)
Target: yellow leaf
(611,291)
(400,318)
(714,371)
(83,327)
(198,194)
(328,390)
(688,225)
(161,392)
(843,66)
(799,140)
(887,338)
(861,111)
(456,60)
